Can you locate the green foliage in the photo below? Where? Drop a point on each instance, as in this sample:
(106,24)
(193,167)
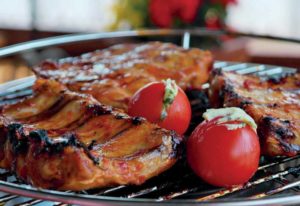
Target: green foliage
(131,12)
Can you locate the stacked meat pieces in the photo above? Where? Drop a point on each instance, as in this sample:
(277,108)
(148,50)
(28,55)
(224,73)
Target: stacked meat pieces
(73,132)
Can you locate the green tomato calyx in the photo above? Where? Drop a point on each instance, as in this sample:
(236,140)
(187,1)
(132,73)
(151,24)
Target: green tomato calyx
(230,114)
(171,91)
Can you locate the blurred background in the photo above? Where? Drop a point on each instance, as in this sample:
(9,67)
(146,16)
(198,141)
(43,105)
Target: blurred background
(25,20)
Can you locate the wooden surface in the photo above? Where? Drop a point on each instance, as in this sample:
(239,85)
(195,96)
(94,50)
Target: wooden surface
(13,69)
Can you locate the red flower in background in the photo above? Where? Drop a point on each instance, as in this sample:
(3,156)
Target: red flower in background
(162,12)
(187,9)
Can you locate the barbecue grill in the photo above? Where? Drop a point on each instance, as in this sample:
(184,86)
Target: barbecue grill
(277,180)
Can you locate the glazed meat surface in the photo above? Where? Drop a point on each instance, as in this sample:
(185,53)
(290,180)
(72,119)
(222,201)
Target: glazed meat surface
(274,105)
(114,74)
(63,140)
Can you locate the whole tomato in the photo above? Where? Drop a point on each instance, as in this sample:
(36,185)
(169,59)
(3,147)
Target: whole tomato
(163,103)
(224,154)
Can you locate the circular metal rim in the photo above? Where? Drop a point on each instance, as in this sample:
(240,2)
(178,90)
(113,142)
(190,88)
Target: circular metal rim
(92,200)
(72,198)
(75,38)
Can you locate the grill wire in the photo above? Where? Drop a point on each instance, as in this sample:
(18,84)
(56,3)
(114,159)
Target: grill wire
(276,176)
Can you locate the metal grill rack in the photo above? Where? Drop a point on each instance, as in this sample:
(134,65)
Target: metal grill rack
(276,181)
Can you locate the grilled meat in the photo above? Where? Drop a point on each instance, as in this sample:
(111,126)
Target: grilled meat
(114,74)
(63,140)
(274,105)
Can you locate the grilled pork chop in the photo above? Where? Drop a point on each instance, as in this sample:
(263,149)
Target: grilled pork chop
(274,105)
(63,140)
(114,74)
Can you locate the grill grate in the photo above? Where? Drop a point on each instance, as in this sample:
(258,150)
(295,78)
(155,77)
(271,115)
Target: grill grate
(275,177)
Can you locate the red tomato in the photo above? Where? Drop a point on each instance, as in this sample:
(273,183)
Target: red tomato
(148,102)
(223,157)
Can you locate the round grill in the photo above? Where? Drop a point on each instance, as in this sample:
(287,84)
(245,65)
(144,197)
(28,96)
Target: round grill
(276,181)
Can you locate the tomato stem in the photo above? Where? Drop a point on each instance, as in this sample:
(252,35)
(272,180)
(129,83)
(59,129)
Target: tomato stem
(171,91)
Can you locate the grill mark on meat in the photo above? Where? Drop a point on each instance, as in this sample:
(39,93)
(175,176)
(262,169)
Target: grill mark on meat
(90,111)
(231,98)
(159,148)
(281,131)
(137,120)
(100,131)
(20,141)
(119,133)
(47,145)
(72,113)
(177,147)
(65,156)
(17,138)
(122,71)
(127,135)
(121,116)
(92,144)
(69,158)
(97,109)
(51,111)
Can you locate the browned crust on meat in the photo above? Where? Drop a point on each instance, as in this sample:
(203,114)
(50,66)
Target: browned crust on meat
(114,74)
(62,150)
(274,105)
